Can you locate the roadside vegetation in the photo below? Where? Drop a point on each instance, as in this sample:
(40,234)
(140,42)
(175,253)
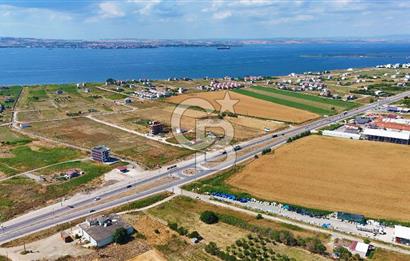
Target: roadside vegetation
(142,203)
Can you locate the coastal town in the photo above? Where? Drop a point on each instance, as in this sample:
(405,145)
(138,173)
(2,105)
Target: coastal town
(105,195)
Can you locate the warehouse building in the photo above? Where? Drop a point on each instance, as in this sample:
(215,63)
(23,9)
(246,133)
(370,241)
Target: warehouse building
(402,234)
(399,137)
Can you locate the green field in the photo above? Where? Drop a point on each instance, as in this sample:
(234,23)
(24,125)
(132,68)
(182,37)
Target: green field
(20,194)
(307,102)
(23,158)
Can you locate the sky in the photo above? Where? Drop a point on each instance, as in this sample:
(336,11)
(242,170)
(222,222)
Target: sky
(202,19)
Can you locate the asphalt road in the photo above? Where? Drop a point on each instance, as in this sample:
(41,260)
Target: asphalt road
(58,214)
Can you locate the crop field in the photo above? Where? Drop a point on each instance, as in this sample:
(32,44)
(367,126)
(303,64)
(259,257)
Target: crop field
(252,107)
(87,133)
(362,177)
(307,102)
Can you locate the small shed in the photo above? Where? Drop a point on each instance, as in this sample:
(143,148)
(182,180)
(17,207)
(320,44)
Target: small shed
(66,237)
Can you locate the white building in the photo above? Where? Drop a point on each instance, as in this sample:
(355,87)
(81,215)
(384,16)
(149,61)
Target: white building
(402,235)
(399,137)
(98,231)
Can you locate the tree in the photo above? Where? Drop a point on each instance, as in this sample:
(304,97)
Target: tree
(120,236)
(212,248)
(342,253)
(209,217)
(259,216)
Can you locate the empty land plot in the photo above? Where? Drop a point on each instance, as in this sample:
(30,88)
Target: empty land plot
(18,153)
(87,133)
(39,103)
(363,177)
(253,107)
(186,212)
(311,103)
(20,194)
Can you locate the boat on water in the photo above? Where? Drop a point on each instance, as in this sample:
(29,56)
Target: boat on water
(223,47)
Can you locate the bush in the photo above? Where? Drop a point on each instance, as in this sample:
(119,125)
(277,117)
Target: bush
(212,249)
(120,236)
(259,216)
(182,231)
(173,226)
(195,234)
(209,217)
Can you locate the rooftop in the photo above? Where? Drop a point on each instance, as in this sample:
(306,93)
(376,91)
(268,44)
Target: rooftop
(403,135)
(402,232)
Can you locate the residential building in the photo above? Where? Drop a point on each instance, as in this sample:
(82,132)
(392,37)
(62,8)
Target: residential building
(99,231)
(156,127)
(360,248)
(100,153)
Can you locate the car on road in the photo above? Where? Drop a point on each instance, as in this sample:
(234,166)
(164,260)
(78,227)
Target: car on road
(92,210)
(224,152)
(97,198)
(129,186)
(274,136)
(70,206)
(237,147)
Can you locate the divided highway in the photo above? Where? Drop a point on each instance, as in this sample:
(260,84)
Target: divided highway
(73,209)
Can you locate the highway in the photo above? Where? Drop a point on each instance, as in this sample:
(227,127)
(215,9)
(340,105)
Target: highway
(73,209)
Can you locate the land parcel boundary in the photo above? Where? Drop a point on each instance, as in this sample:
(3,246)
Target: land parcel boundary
(319,172)
(307,102)
(86,133)
(250,106)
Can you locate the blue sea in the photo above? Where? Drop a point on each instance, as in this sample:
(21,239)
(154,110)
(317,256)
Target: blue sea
(39,66)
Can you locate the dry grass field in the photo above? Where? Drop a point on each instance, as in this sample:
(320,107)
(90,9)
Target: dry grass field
(250,106)
(87,133)
(334,174)
(245,127)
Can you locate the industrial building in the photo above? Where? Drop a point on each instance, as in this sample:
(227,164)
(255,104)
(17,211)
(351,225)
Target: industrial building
(402,234)
(399,137)
(100,153)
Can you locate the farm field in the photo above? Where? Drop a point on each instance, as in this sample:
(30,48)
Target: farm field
(87,133)
(362,177)
(252,107)
(19,153)
(311,103)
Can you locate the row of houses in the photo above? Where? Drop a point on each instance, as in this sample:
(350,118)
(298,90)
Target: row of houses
(394,66)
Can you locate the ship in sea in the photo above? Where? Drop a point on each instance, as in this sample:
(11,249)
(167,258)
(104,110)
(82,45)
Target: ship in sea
(226,47)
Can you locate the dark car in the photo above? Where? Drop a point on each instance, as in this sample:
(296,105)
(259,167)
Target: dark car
(274,135)
(237,147)
(129,186)
(92,210)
